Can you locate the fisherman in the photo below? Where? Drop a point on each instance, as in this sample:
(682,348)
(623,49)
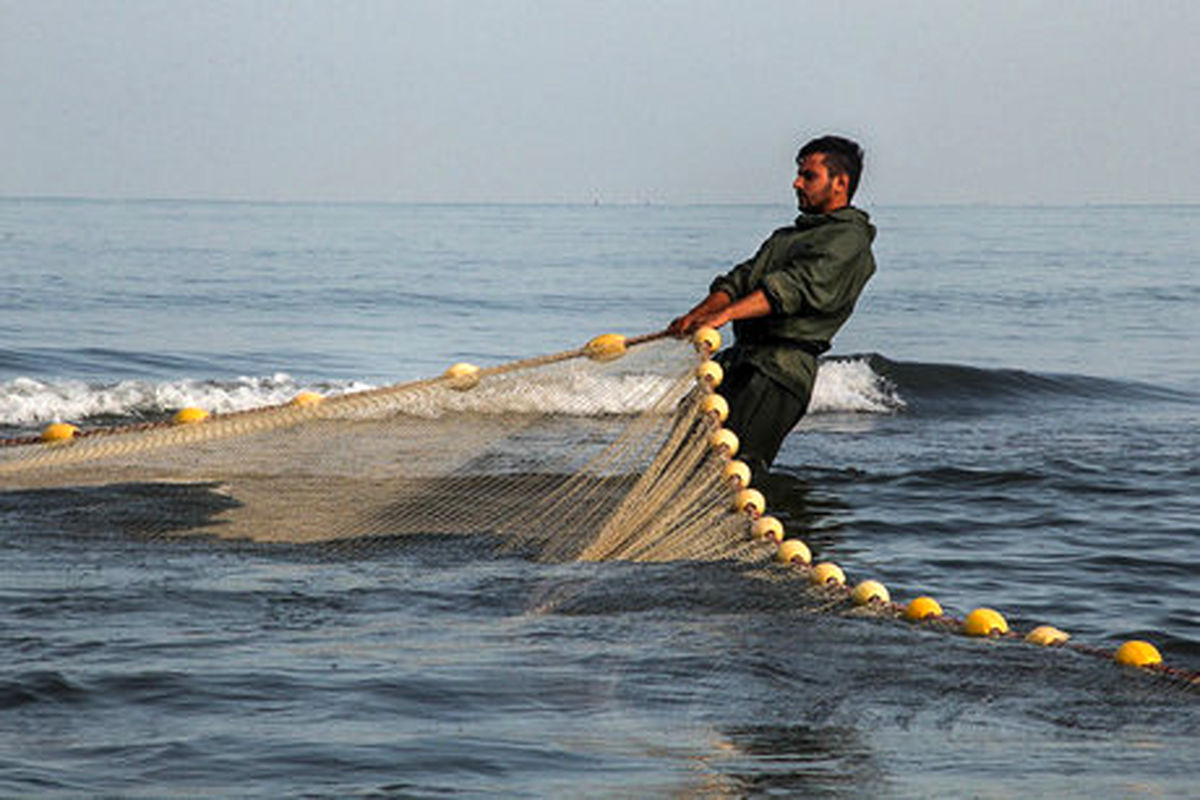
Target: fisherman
(788,301)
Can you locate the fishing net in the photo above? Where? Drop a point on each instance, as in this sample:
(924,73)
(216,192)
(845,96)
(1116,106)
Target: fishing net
(604,452)
(613,451)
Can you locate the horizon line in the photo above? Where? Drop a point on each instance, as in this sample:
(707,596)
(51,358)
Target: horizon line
(574,203)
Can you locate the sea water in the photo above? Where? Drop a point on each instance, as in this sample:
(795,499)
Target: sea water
(1009,420)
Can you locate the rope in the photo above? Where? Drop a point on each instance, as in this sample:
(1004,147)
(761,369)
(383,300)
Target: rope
(350,399)
(841,596)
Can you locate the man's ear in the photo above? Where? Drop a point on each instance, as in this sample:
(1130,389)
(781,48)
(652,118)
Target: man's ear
(841,183)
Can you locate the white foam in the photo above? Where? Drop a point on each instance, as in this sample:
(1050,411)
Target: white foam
(842,386)
(25,401)
(852,386)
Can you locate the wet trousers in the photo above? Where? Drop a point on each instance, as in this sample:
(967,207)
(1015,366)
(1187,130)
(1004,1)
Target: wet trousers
(761,412)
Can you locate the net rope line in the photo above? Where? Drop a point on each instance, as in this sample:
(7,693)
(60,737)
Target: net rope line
(649,479)
(241,422)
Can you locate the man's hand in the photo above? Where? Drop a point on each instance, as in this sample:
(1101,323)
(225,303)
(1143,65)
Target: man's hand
(702,314)
(686,325)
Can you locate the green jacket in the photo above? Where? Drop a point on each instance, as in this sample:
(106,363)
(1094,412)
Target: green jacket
(812,274)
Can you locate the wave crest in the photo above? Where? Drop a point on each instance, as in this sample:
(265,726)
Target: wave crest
(842,386)
(853,385)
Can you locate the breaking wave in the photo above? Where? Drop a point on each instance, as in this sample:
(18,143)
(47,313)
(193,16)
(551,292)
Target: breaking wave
(857,384)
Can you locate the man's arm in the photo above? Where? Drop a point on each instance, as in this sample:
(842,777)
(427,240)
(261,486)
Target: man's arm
(822,277)
(719,308)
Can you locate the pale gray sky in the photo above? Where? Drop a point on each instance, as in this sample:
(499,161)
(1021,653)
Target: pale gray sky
(666,101)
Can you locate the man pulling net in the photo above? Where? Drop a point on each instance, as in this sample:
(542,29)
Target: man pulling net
(787,302)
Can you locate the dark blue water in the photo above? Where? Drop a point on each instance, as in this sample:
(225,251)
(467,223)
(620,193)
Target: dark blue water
(1009,420)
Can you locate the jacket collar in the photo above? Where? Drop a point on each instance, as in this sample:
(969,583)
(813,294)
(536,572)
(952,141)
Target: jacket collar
(843,214)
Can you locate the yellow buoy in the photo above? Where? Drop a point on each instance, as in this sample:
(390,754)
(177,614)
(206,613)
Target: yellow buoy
(189,416)
(793,550)
(710,372)
(920,608)
(306,399)
(870,592)
(707,340)
(462,376)
(1047,636)
(827,572)
(750,501)
(605,347)
(715,404)
(724,438)
(767,527)
(736,473)
(985,622)
(1136,653)
(59,432)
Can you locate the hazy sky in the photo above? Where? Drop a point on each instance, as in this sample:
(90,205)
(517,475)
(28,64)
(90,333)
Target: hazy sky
(1005,101)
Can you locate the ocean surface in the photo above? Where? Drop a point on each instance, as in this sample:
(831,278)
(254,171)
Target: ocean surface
(1011,419)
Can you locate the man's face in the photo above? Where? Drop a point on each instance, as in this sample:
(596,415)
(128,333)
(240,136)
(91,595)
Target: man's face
(816,192)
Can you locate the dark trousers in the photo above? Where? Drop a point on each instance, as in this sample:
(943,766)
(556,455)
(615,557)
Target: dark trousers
(761,413)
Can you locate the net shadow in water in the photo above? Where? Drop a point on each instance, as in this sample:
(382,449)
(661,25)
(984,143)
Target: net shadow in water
(145,509)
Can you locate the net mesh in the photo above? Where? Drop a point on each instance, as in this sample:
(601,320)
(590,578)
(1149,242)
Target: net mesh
(563,457)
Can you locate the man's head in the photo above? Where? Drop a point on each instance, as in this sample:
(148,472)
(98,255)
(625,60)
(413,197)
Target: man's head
(827,173)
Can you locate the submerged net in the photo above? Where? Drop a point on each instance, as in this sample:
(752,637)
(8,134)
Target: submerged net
(575,455)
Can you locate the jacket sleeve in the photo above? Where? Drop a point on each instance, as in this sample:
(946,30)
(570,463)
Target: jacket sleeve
(819,275)
(740,281)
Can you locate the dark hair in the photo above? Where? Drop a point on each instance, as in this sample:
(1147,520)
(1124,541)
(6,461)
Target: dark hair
(842,157)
